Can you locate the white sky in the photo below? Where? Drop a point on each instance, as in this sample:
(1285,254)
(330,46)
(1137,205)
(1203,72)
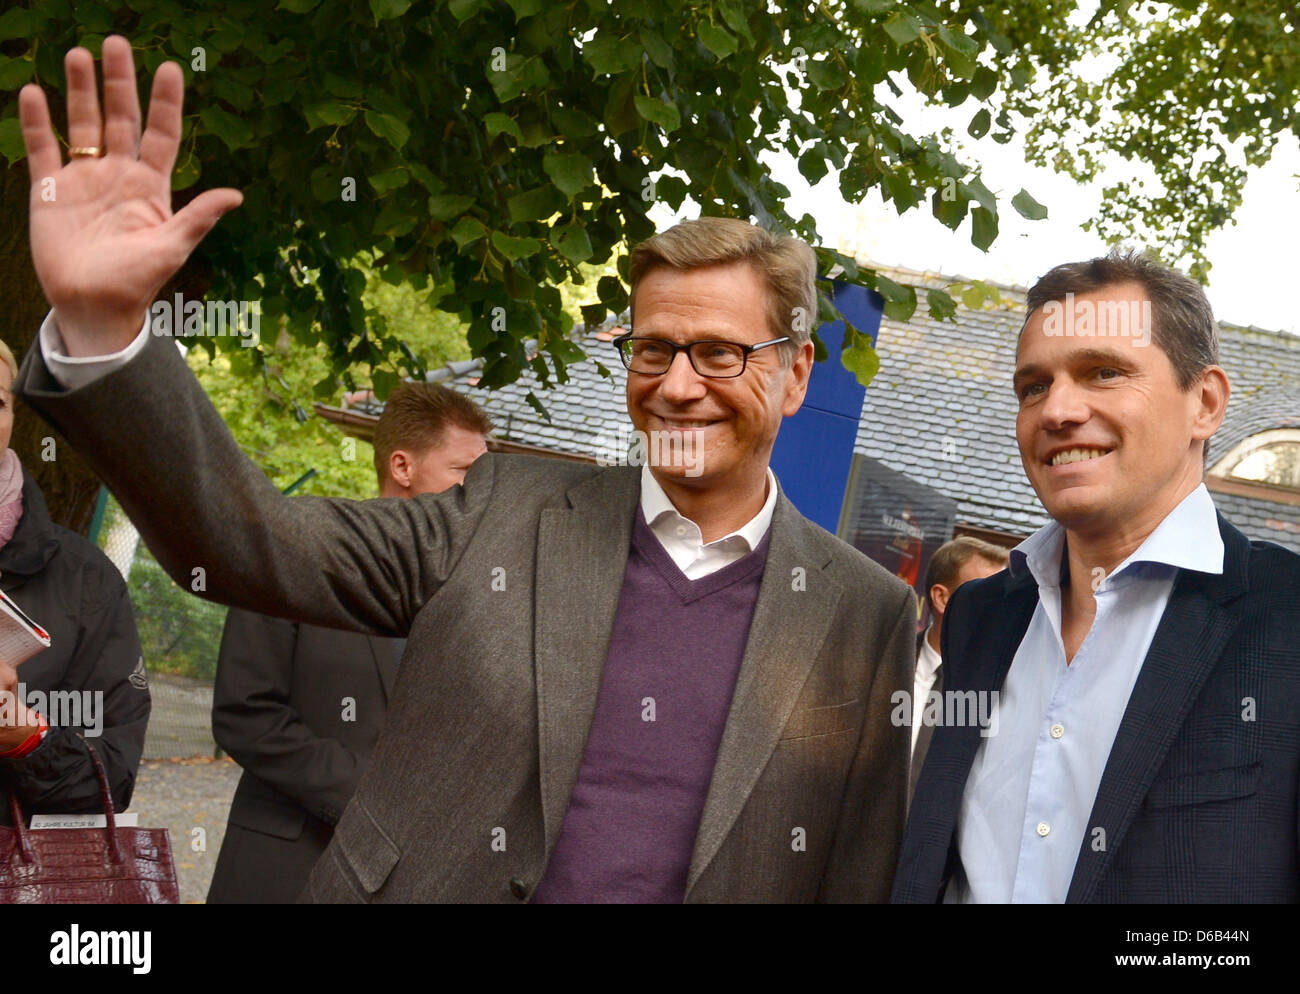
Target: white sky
(1253,260)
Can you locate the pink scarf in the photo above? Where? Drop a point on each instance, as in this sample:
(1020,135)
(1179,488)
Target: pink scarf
(11,494)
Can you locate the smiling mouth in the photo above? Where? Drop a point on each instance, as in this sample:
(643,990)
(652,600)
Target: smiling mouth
(1067,456)
(682,424)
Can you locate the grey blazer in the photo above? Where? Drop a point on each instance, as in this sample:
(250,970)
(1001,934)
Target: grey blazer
(507,589)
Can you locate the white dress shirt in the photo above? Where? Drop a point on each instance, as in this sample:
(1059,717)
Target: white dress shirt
(684,542)
(927,666)
(680,536)
(1025,812)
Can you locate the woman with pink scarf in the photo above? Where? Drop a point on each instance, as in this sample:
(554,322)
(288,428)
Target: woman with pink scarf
(90,684)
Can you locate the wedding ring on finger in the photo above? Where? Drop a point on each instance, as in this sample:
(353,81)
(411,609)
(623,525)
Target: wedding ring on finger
(85,152)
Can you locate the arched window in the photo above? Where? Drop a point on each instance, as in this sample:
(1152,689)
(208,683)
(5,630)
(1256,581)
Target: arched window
(1270,457)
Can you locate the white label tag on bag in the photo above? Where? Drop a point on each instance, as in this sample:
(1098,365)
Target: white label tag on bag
(123,820)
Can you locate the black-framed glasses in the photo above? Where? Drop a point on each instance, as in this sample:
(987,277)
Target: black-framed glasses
(712,358)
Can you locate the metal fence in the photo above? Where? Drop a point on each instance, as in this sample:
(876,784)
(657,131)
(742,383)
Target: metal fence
(180,635)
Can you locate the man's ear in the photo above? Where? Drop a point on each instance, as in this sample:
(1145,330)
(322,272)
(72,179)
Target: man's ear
(796,382)
(939,595)
(1211,392)
(400,467)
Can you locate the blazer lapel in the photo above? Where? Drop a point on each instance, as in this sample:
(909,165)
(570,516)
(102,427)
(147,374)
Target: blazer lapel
(1193,633)
(582,555)
(785,637)
(941,784)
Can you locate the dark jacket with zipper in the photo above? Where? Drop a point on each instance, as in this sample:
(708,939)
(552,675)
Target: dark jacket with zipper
(66,585)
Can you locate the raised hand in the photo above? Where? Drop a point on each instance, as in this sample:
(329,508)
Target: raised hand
(104,238)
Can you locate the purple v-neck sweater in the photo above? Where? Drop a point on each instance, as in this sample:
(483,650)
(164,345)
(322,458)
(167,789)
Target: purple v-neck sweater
(664,695)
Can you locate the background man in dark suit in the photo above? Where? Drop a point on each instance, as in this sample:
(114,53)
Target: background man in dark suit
(953,563)
(300,707)
(1147,655)
(620,684)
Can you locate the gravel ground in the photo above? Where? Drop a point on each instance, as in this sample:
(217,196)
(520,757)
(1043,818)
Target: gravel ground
(182,796)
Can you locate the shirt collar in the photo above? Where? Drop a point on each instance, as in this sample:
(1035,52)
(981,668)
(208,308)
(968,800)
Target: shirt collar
(1187,538)
(927,661)
(656,505)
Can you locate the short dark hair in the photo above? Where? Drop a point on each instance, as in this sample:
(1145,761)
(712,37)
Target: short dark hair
(1183,321)
(949,558)
(416,415)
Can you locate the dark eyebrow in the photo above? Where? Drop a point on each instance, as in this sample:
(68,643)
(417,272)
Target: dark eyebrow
(1108,356)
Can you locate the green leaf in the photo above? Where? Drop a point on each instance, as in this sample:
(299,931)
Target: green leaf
(525,8)
(572,242)
(328,114)
(661,54)
(16,23)
(1028,206)
(984,228)
(386,10)
(15,72)
(468,229)
(537,405)
(463,10)
(497,123)
(534,205)
(232,130)
(892,291)
(11,140)
(388,127)
(972,298)
(902,27)
(515,248)
(827,74)
(297,6)
(861,359)
(656,111)
(445,206)
(383,382)
(610,292)
(979,124)
(570,172)
(717,40)
(390,179)
(942,306)
(607,53)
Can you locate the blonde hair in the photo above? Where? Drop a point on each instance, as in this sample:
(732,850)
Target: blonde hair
(787,264)
(415,417)
(7,357)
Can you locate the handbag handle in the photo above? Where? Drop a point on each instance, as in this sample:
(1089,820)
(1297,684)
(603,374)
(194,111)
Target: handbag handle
(105,797)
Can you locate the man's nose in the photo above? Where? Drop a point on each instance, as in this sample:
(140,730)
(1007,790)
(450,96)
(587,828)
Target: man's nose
(1065,404)
(681,383)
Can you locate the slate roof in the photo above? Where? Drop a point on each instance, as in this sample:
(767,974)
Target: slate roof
(940,409)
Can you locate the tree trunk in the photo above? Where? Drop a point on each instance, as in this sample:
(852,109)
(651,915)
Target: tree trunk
(70,488)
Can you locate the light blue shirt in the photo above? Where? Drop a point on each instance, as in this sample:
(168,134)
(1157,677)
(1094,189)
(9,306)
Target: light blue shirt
(1024,813)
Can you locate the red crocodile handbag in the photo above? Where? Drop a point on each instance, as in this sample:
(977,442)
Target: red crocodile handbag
(107,865)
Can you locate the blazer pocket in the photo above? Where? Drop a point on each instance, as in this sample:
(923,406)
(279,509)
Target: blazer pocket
(369,851)
(281,820)
(1204,787)
(823,721)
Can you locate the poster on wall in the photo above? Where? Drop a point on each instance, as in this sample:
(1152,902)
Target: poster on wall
(896,521)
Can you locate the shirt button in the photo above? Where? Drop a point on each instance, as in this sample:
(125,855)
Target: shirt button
(518,888)
(681,530)
(1044,828)
(1058,730)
